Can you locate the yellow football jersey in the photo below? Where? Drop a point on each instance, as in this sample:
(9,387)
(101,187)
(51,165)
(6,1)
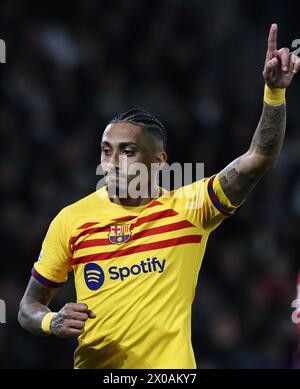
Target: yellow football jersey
(136,268)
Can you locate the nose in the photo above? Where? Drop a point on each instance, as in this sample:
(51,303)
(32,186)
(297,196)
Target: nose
(113,163)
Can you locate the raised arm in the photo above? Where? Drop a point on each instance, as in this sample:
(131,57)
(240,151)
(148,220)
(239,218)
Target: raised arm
(240,176)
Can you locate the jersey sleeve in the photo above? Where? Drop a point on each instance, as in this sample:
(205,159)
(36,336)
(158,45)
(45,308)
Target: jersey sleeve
(205,203)
(53,264)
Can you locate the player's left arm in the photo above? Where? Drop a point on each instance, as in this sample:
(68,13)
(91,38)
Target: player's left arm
(240,176)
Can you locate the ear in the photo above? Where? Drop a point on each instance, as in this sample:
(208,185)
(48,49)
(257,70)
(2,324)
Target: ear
(161,158)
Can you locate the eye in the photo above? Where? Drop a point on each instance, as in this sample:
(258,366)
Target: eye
(105,150)
(128,152)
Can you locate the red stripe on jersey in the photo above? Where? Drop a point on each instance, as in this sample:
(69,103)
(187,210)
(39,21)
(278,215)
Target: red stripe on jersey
(138,249)
(148,232)
(124,218)
(154,204)
(130,217)
(87,232)
(140,221)
(87,225)
(154,216)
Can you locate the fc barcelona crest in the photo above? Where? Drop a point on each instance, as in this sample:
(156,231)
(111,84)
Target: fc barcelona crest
(119,233)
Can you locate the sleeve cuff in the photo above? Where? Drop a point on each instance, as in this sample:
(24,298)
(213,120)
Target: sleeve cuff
(216,202)
(45,281)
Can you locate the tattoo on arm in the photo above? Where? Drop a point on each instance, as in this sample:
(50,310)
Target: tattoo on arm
(268,137)
(240,177)
(235,182)
(57,322)
(34,306)
(224,179)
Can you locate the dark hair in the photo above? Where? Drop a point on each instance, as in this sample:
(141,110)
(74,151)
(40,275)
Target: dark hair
(147,121)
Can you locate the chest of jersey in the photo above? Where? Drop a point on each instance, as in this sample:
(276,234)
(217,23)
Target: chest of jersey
(134,251)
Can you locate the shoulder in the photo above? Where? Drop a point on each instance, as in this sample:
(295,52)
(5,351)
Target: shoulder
(190,190)
(88,206)
(187,196)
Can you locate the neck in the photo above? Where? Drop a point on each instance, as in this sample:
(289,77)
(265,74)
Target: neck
(135,202)
(129,202)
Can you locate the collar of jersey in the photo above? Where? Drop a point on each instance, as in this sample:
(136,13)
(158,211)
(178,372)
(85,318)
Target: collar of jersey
(102,192)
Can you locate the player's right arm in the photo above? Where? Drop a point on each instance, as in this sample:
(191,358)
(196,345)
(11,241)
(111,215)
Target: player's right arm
(49,273)
(69,321)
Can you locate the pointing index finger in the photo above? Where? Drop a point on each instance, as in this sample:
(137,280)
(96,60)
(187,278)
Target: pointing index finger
(272,41)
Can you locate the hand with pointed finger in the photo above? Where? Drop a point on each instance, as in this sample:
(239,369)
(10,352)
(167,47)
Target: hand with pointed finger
(281,65)
(70,320)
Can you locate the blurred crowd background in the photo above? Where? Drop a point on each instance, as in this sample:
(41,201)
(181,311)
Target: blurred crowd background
(196,65)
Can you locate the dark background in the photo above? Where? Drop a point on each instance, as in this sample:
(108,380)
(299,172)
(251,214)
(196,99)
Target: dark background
(197,65)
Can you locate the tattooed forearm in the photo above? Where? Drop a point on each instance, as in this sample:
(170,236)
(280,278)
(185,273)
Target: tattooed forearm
(268,137)
(240,177)
(34,306)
